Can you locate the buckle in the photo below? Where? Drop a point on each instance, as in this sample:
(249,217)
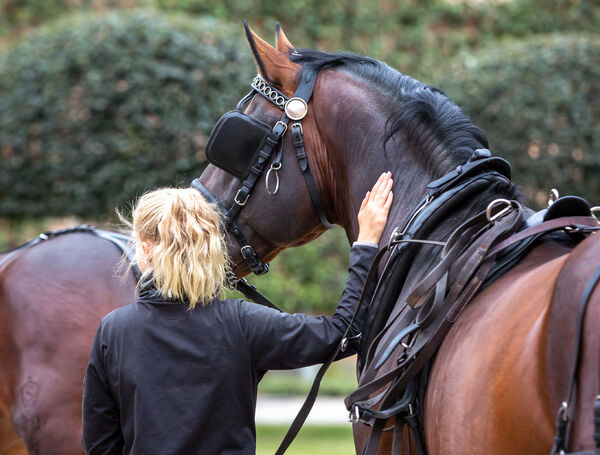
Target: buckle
(285,127)
(236,198)
(564,411)
(498,203)
(346,340)
(354,415)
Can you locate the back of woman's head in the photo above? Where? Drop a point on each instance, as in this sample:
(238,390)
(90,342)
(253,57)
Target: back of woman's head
(188,258)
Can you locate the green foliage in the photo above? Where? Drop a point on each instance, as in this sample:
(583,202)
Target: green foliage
(17,14)
(310,278)
(411,35)
(538,101)
(95,109)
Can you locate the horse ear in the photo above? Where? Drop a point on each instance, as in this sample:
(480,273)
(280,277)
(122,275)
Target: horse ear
(281,42)
(273,65)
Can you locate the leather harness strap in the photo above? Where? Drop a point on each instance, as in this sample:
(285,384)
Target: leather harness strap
(562,421)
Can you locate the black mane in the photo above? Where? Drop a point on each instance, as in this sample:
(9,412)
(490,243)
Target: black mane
(433,126)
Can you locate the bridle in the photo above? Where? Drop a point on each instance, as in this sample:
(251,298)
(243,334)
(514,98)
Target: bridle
(270,148)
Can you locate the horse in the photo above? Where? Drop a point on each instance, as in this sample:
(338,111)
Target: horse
(503,369)
(55,290)
(363,114)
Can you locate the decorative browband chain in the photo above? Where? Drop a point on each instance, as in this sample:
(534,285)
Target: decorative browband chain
(269,92)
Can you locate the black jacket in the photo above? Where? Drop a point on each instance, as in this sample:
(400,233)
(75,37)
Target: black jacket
(162,379)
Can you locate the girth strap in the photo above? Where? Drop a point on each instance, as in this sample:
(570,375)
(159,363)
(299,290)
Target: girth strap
(562,422)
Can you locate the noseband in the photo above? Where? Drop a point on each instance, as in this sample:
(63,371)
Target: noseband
(230,144)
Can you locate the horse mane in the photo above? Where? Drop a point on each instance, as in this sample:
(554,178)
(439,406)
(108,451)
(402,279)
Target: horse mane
(436,130)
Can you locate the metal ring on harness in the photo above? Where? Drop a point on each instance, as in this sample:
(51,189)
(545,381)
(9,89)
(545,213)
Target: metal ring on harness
(552,196)
(273,170)
(496,203)
(595,210)
(354,416)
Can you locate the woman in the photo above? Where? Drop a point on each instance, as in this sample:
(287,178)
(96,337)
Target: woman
(176,372)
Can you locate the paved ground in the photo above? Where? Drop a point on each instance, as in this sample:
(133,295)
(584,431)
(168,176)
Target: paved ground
(282,410)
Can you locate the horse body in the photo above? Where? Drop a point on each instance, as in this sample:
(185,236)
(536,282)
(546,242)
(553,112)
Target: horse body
(502,372)
(52,300)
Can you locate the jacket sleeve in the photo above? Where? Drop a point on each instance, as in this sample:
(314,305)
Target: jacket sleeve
(283,341)
(102,433)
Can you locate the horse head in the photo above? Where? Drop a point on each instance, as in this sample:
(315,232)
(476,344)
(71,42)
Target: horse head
(363,118)
(285,218)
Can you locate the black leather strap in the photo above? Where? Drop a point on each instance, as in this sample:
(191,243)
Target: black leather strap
(251,293)
(314,390)
(298,141)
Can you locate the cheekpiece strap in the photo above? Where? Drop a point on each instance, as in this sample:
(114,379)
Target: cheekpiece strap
(269,92)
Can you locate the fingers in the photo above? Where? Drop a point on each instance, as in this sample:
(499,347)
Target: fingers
(378,183)
(365,201)
(385,187)
(388,201)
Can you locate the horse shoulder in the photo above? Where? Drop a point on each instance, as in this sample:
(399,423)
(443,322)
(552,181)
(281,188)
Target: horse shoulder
(490,370)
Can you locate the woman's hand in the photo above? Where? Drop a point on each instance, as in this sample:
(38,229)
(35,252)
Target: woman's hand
(373,213)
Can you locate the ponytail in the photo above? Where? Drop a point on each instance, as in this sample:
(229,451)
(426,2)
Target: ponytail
(189,257)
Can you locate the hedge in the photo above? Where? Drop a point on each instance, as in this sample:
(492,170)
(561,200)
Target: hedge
(538,101)
(95,109)
(411,35)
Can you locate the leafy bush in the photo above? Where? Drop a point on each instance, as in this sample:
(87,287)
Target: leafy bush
(309,279)
(411,35)
(93,110)
(19,14)
(539,103)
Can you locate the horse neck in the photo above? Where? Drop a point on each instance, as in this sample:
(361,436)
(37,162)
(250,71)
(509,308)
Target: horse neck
(355,152)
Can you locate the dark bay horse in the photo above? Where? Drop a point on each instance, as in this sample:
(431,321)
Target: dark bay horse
(503,370)
(52,298)
(500,374)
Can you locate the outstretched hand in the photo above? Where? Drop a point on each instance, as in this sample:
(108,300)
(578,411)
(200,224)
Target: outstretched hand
(374,210)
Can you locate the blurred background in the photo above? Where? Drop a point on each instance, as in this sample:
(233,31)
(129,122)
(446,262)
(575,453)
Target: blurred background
(101,100)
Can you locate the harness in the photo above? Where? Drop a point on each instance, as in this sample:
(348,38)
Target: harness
(409,325)
(119,240)
(243,146)
(406,325)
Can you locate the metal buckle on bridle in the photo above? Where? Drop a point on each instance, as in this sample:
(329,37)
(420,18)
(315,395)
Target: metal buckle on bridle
(241,203)
(564,411)
(354,415)
(285,127)
(491,217)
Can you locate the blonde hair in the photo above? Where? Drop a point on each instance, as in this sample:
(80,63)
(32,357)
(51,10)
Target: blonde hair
(189,256)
